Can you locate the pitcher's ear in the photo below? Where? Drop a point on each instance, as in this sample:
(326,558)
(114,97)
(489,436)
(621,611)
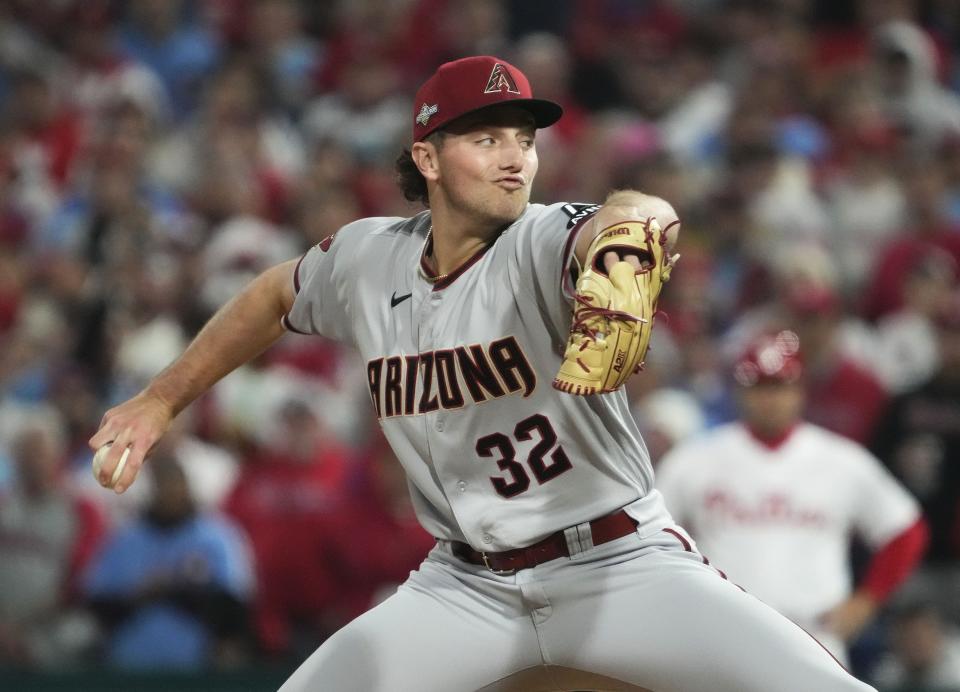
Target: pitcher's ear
(425,156)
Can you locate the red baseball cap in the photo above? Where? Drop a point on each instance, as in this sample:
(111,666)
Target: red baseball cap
(770,358)
(470,84)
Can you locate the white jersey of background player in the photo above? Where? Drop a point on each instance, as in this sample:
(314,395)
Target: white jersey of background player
(462,330)
(774,502)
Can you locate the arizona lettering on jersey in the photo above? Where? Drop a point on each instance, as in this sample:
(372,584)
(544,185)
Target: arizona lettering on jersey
(453,368)
(438,379)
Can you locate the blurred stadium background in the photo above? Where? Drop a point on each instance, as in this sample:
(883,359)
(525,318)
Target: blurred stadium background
(157,154)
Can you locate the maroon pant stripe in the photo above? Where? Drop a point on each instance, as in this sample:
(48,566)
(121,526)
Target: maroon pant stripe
(679,537)
(686,546)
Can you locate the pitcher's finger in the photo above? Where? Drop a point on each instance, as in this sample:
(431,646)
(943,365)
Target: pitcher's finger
(140,445)
(113,458)
(131,469)
(610,258)
(105,434)
(622,276)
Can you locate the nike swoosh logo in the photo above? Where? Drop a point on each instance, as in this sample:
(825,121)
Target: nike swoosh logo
(394,301)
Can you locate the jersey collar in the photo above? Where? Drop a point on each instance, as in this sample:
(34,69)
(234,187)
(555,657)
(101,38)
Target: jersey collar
(425,270)
(771,443)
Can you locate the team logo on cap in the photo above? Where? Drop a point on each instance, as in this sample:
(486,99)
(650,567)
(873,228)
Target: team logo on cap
(500,79)
(426,112)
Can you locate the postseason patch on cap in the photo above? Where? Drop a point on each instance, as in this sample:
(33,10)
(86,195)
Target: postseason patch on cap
(426,112)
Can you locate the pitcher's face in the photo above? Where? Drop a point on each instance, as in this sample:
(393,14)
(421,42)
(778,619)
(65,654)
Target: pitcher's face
(487,162)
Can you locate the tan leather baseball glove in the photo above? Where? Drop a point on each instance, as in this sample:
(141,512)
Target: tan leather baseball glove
(614,311)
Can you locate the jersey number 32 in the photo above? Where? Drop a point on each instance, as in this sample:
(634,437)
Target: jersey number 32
(543,470)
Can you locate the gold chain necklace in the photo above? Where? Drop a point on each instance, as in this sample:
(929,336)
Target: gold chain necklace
(438,277)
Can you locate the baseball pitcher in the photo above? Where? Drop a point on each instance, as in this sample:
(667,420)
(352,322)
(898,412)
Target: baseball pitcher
(496,335)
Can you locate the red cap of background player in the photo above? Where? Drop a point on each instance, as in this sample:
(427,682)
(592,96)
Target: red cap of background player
(469,84)
(770,358)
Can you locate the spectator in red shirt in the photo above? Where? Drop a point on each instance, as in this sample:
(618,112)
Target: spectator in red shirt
(374,539)
(930,229)
(843,395)
(282,496)
(46,133)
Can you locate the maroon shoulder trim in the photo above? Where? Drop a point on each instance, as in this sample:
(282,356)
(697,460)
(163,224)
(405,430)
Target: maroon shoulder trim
(296,274)
(325,244)
(285,321)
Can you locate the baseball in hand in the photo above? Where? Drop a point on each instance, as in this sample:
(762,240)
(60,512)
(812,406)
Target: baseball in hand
(101,456)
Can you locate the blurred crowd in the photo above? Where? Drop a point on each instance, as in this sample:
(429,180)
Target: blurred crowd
(155,155)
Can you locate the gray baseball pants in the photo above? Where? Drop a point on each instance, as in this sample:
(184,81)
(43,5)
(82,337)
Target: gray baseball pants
(637,613)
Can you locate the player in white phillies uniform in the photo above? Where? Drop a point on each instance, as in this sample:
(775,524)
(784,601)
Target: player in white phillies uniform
(774,502)
(556,565)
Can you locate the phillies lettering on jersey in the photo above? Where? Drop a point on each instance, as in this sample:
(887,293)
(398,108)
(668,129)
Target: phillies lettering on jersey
(770,509)
(453,368)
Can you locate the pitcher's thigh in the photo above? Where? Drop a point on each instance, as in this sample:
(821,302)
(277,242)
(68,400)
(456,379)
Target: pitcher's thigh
(675,625)
(421,641)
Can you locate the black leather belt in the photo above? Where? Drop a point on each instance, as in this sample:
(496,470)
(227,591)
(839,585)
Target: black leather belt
(603,530)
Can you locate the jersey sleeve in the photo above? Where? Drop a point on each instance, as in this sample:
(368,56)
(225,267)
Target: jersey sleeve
(884,507)
(543,255)
(321,284)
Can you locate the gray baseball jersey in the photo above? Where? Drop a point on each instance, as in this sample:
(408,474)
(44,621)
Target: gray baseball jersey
(460,376)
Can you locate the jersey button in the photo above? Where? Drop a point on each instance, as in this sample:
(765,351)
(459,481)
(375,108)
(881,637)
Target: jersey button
(487,538)
(462,486)
(440,425)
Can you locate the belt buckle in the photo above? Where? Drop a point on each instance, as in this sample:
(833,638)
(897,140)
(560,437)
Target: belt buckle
(501,572)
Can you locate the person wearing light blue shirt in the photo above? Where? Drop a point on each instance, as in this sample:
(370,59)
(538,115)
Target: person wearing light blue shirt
(174,587)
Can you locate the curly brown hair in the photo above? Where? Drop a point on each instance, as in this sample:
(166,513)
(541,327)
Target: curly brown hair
(409,178)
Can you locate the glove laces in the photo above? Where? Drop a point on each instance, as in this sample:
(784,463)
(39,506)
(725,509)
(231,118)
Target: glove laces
(588,311)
